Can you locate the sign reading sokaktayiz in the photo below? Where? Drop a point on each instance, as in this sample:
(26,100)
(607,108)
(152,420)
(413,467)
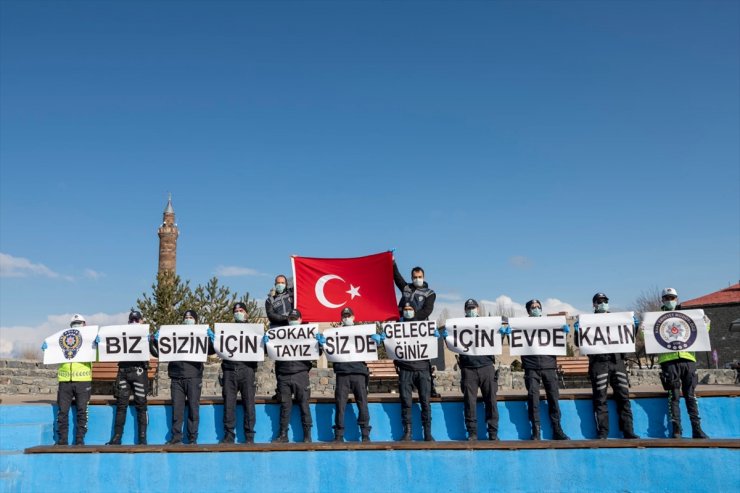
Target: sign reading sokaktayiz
(410,341)
(293,343)
(679,330)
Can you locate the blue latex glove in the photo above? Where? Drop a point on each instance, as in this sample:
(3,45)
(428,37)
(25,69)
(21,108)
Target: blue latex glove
(443,333)
(436,333)
(265,339)
(44,346)
(504,330)
(211,335)
(97,340)
(566,328)
(636,321)
(321,339)
(576,326)
(378,338)
(156,336)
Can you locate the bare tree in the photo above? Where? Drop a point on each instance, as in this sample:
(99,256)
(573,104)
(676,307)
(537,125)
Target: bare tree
(648,300)
(502,309)
(442,317)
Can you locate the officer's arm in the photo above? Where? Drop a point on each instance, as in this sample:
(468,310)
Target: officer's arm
(428,307)
(398,277)
(153,346)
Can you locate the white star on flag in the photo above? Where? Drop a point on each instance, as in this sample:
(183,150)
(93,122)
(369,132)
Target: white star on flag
(354,291)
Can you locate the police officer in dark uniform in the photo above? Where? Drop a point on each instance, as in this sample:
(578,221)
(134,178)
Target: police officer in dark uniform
(132,377)
(350,377)
(186,382)
(542,369)
(478,372)
(605,369)
(238,377)
(278,305)
(292,380)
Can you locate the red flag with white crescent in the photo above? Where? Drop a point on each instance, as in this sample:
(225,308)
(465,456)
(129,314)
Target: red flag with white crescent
(325,286)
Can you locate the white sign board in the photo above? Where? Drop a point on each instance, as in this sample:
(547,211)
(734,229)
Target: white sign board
(183,343)
(605,333)
(410,341)
(239,342)
(474,336)
(71,345)
(350,343)
(293,343)
(124,342)
(537,336)
(681,330)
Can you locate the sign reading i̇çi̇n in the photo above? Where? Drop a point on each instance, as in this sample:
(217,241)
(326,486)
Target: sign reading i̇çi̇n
(124,342)
(680,330)
(183,343)
(474,336)
(350,343)
(239,342)
(293,343)
(604,333)
(537,336)
(410,341)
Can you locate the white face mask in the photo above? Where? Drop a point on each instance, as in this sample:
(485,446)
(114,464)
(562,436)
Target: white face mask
(408,314)
(77,324)
(294,322)
(670,304)
(419,282)
(279,287)
(189,321)
(240,316)
(471,313)
(536,312)
(602,308)
(348,321)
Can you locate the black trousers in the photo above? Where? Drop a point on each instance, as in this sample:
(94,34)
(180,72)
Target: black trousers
(296,384)
(603,374)
(357,385)
(680,375)
(79,392)
(549,379)
(422,380)
(238,381)
(484,378)
(131,380)
(185,390)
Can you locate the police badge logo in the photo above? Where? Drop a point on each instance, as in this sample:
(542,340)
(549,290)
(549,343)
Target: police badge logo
(675,331)
(70,341)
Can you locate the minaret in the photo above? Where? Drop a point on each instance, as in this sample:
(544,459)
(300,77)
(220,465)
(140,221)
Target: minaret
(168,234)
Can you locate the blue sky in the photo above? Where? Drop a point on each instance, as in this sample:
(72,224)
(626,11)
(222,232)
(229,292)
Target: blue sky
(513,149)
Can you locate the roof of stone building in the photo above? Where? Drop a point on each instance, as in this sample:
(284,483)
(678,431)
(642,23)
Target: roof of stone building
(727,296)
(169,209)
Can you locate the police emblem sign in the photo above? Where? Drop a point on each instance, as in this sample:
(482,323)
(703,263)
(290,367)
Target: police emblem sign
(680,330)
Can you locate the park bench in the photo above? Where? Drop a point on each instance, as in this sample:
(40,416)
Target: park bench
(382,371)
(572,366)
(107,371)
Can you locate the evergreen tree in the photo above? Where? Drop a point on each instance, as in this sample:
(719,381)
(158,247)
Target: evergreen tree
(167,301)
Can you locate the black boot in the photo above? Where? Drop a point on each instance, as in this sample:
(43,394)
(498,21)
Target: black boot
(143,420)
(536,432)
(428,433)
(282,437)
(249,438)
(677,431)
(338,435)
(697,432)
(227,439)
(142,438)
(493,435)
(472,435)
(406,433)
(629,434)
(116,440)
(306,434)
(366,434)
(558,433)
(80,440)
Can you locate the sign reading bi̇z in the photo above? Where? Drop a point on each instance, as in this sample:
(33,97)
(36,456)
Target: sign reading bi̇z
(124,342)
(293,343)
(537,336)
(410,341)
(474,336)
(183,343)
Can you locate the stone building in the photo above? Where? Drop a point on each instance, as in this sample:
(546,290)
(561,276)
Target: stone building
(168,233)
(723,308)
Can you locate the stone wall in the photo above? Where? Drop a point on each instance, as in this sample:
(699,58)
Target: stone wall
(31,377)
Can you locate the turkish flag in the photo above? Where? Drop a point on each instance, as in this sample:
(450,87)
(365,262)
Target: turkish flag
(325,286)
